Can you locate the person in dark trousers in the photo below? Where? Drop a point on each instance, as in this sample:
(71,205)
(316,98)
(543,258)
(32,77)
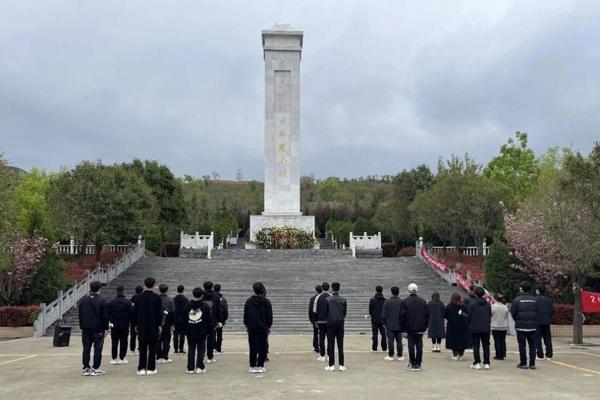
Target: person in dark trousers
(93,321)
(198,325)
(120,315)
(181,319)
(480,317)
(320,309)
(435,327)
(337,309)
(258,319)
(214,303)
(134,341)
(470,297)
(545,315)
(524,310)
(499,326)
(224,317)
(312,318)
(457,327)
(375,311)
(393,319)
(416,317)
(148,317)
(168,319)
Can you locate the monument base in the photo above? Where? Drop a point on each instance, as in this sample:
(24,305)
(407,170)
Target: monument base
(302,222)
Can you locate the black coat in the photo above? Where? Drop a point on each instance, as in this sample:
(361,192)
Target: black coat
(376,308)
(224,308)
(457,328)
(416,315)
(198,319)
(93,313)
(120,312)
(311,303)
(480,316)
(524,310)
(147,314)
(393,314)
(322,307)
(181,304)
(337,307)
(545,309)
(258,313)
(435,328)
(214,303)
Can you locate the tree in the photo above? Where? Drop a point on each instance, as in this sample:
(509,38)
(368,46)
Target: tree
(7,211)
(32,206)
(16,275)
(500,275)
(515,170)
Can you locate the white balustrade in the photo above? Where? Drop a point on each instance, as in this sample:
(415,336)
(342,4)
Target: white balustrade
(198,241)
(364,242)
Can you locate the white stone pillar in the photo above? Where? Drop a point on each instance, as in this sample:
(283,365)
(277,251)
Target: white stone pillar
(72,245)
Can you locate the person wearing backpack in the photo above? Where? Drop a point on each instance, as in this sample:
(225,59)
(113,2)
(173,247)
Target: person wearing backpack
(198,325)
(214,303)
(181,302)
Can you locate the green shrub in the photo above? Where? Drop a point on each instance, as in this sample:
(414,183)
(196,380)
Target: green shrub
(46,283)
(284,238)
(500,276)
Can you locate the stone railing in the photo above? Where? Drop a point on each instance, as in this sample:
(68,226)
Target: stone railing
(198,241)
(54,311)
(465,250)
(366,242)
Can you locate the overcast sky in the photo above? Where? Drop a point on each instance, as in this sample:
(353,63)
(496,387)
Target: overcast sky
(384,85)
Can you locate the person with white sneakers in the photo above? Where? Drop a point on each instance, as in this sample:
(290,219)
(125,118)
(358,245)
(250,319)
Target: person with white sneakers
(120,315)
(435,328)
(93,321)
(147,318)
(457,327)
(320,310)
(199,324)
(337,309)
(393,319)
(480,318)
(416,318)
(258,319)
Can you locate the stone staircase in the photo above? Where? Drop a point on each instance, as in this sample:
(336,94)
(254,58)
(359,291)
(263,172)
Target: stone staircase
(290,276)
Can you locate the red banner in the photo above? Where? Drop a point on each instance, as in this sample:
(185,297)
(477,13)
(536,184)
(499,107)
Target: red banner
(590,302)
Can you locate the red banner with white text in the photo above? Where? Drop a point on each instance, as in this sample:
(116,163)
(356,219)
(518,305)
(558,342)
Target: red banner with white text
(590,302)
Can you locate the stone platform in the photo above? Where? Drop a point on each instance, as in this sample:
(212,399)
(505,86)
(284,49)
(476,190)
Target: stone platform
(298,221)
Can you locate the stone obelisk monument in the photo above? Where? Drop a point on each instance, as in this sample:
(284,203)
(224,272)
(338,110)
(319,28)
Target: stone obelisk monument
(282,49)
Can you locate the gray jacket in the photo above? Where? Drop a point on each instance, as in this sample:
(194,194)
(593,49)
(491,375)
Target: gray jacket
(499,317)
(336,310)
(393,314)
(168,308)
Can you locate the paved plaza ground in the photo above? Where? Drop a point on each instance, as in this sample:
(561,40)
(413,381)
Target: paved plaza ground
(32,368)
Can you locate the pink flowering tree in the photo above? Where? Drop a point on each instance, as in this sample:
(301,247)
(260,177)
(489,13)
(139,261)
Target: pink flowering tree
(20,266)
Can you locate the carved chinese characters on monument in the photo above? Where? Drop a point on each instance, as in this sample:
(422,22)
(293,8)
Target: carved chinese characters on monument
(282,128)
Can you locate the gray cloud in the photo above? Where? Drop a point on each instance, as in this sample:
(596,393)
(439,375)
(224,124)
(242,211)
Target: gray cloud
(385,85)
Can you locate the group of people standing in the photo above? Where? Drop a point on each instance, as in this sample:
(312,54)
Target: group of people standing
(150,320)
(466,324)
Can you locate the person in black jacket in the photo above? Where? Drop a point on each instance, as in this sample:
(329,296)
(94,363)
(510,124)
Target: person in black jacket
(224,317)
(214,302)
(524,310)
(133,341)
(313,318)
(480,318)
(457,327)
(120,315)
(147,317)
(93,321)
(168,319)
(375,311)
(258,319)
(416,317)
(545,314)
(337,308)
(198,325)
(320,310)
(435,326)
(393,317)
(181,302)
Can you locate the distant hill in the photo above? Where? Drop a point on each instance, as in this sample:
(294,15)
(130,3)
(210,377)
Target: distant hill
(16,170)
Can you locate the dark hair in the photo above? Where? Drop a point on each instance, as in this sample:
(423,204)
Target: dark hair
(95,286)
(138,289)
(335,286)
(525,286)
(471,287)
(541,289)
(479,291)
(259,288)
(378,289)
(319,289)
(149,282)
(120,290)
(208,285)
(395,290)
(499,298)
(198,292)
(456,299)
(180,289)
(325,286)
(163,287)
(435,297)
(217,287)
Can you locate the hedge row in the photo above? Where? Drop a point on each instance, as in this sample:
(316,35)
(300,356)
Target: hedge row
(563,315)
(15,316)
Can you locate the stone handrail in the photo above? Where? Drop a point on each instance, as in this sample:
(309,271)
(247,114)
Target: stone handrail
(54,311)
(197,241)
(367,242)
